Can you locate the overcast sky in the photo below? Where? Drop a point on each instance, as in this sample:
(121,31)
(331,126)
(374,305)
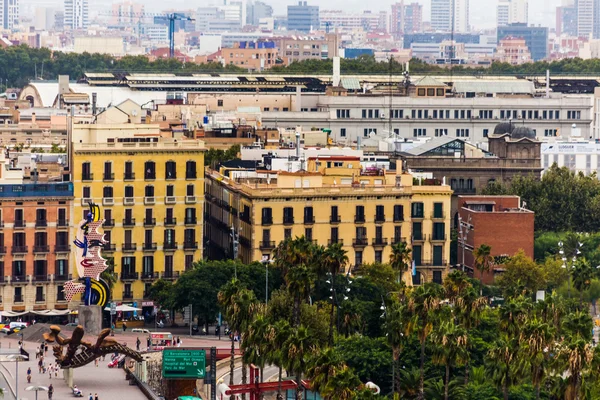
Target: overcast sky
(483,12)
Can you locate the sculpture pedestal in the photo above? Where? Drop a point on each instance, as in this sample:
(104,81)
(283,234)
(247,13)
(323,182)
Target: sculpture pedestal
(90,318)
(68,375)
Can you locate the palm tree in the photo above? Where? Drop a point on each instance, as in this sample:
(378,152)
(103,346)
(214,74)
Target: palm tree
(322,367)
(409,383)
(341,386)
(258,340)
(537,337)
(513,314)
(334,259)
(455,284)
(500,359)
(395,328)
(467,311)
(226,298)
(292,252)
(582,276)
(276,353)
(400,258)
(423,301)
(577,355)
(244,308)
(299,346)
(298,279)
(483,262)
(451,348)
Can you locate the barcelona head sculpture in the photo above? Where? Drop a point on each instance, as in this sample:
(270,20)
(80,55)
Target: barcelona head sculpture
(89,261)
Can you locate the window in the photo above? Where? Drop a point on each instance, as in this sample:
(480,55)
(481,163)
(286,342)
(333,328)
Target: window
(342,132)
(358,258)
(378,256)
(288,215)
(397,114)
(417,231)
(335,217)
(108,174)
(287,233)
(397,234)
(462,133)
(189,261)
(149,191)
(170,190)
(398,213)
(87,192)
(572,114)
(128,266)
(430,92)
(148,265)
(550,132)
(189,190)
(440,92)
(360,214)
(190,170)
(86,171)
(107,192)
(170,170)
(421,92)
(379,213)
(149,170)
(417,253)
(308,234)
(189,236)
(169,265)
(219,103)
(190,215)
(441,132)
(438,253)
(486,132)
(437,277)
(60,293)
(335,236)
(417,210)
(439,231)
(266,236)
(368,131)
(309,217)
(18,295)
(267,216)
(39,269)
(61,268)
(419,132)
(18,270)
(345,113)
(129,191)
(40,216)
(438,210)
(129,170)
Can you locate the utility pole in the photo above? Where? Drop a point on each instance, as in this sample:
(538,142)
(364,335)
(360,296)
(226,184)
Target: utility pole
(234,239)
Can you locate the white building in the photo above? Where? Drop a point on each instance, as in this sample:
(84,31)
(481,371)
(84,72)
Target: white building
(76,14)
(579,156)
(156,34)
(512,11)
(346,21)
(446,18)
(585,17)
(9,14)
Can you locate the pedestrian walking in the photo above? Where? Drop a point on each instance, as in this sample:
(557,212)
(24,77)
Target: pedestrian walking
(124,326)
(50,370)
(29,375)
(138,343)
(46,349)
(91,397)
(96,362)
(50,392)
(40,364)
(95,396)
(56,367)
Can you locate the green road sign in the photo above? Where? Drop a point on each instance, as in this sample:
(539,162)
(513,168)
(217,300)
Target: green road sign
(182,364)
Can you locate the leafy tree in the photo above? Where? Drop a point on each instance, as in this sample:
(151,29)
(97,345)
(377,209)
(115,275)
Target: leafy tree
(162,293)
(582,276)
(521,276)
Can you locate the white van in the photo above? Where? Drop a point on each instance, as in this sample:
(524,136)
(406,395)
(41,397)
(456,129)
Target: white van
(19,325)
(140,330)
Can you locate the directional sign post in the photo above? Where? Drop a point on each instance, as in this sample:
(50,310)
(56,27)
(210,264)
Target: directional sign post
(183,364)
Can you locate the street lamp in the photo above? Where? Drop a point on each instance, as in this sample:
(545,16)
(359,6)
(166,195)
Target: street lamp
(17,358)
(266,261)
(37,389)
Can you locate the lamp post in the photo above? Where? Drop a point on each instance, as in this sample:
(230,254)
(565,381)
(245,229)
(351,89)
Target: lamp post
(385,315)
(266,261)
(573,259)
(17,358)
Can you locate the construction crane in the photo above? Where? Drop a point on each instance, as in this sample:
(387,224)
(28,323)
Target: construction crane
(172,17)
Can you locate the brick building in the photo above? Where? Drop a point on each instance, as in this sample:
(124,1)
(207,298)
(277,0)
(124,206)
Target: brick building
(500,222)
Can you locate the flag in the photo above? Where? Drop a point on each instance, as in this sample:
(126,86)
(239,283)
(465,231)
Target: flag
(414,268)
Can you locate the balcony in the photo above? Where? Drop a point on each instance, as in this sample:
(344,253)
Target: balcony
(168,275)
(108,201)
(62,248)
(149,200)
(41,249)
(438,238)
(62,223)
(127,295)
(379,242)
(397,240)
(129,176)
(149,276)
(170,199)
(108,177)
(129,276)
(190,199)
(419,238)
(20,224)
(266,221)
(18,299)
(309,219)
(109,223)
(40,298)
(128,201)
(334,241)
(150,246)
(149,176)
(379,219)
(190,245)
(41,223)
(359,219)
(87,177)
(335,219)
(62,277)
(149,222)
(417,216)
(360,242)
(464,190)
(170,246)
(60,296)
(170,221)
(129,222)
(398,218)
(191,221)
(432,263)
(267,245)
(16,279)
(41,278)
(109,247)
(128,247)
(435,215)
(2,249)
(288,221)
(20,249)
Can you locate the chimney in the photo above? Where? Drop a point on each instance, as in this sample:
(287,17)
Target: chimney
(298,106)
(32,118)
(336,71)
(298,142)
(94,100)
(547,83)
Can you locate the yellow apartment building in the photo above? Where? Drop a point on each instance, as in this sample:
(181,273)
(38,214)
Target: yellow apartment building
(330,201)
(152,196)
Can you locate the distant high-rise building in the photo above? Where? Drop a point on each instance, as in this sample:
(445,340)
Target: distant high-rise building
(76,14)
(257,10)
(9,14)
(406,18)
(127,12)
(566,20)
(450,15)
(588,18)
(535,37)
(512,12)
(302,17)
